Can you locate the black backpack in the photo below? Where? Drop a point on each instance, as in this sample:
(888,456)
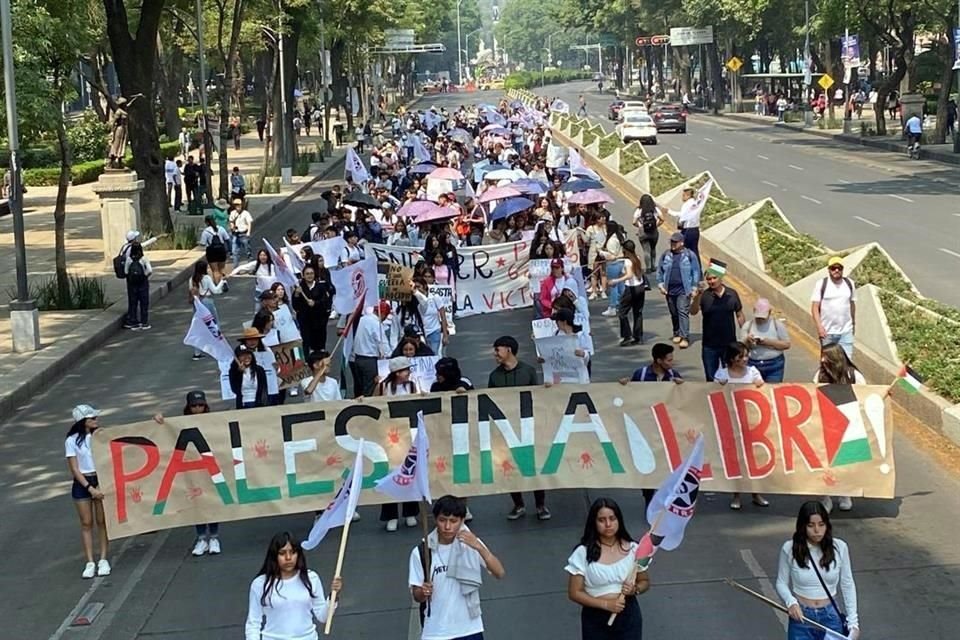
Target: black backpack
(136,274)
(648,220)
(216,240)
(120,262)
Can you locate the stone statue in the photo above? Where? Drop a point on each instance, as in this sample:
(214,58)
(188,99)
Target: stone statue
(118,137)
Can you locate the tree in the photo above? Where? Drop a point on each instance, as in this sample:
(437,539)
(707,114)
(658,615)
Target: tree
(135,58)
(230,18)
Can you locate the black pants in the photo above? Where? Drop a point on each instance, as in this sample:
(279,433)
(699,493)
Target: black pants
(539,498)
(138,298)
(314,335)
(631,303)
(364,369)
(627,626)
(391,511)
(648,242)
(691,240)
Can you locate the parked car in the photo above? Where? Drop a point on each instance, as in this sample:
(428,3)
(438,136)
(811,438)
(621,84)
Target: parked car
(670,117)
(637,126)
(613,112)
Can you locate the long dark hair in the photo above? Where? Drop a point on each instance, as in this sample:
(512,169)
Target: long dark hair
(630,253)
(801,552)
(590,540)
(200,269)
(271,568)
(647,203)
(79,429)
(838,368)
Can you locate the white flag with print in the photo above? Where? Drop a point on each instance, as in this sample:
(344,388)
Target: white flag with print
(672,506)
(354,166)
(354,282)
(410,482)
(204,334)
(577,168)
(284,272)
(420,152)
(344,505)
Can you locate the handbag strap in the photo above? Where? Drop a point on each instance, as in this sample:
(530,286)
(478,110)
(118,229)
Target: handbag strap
(824,585)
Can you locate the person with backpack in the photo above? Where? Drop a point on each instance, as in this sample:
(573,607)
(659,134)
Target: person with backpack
(647,219)
(215,239)
(120,260)
(138,270)
(833,306)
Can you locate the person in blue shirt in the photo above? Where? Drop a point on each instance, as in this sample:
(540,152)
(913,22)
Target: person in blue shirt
(678,274)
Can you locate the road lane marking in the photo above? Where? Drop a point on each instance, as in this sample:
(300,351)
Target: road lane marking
(702,158)
(730,169)
(762,157)
(793,166)
(957,214)
(771,184)
(950,253)
(729,146)
(842,181)
(675,147)
(708,139)
(865,221)
(813,200)
(893,195)
(766,586)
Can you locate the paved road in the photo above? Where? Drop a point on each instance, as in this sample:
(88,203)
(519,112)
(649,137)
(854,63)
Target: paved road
(904,551)
(844,195)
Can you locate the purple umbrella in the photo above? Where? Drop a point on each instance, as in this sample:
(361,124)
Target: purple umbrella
(590,196)
(498,193)
(416,208)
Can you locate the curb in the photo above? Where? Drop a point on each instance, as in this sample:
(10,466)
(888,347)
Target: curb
(53,361)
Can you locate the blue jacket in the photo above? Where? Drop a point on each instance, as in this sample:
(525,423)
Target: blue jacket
(689,269)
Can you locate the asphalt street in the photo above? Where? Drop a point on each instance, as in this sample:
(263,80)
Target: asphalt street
(844,195)
(906,561)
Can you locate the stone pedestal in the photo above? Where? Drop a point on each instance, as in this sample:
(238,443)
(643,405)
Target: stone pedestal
(25,326)
(119,193)
(911,104)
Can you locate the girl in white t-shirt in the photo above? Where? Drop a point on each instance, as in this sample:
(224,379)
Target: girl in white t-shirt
(87,497)
(320,387)
(604,578)
(398,383)
(263,270)
(286,597)
(734,368)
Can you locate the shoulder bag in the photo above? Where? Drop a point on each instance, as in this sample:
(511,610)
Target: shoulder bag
(844,627)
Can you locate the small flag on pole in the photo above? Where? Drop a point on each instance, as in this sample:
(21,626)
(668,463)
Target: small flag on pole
(410,482)
(909,380)
(344,505)
(717,268)
(672,506)
(204,334)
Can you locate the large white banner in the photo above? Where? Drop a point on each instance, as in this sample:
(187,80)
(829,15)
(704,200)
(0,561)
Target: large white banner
(491,277)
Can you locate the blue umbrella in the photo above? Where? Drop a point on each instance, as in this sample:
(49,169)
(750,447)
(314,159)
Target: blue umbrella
(482,168)
(530,186)
(423,168)
(582,184)
(509,207)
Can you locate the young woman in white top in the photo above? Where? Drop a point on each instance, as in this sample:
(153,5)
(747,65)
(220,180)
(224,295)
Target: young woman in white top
(837,368)
(286,597)
(603,579)
(87,497)
(634,295)
(263,269)
(287,330)
(353,252)
(611,251)
(596,236)
(735,369)
(203,286)
(813,550)
(398,383)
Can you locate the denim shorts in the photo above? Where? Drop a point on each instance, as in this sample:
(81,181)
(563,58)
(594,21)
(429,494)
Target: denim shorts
(79,492)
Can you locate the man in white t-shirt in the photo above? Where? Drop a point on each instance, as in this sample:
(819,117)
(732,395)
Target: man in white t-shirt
(241,226)
(833,306)
(457,560)
(170,174)
(320,387)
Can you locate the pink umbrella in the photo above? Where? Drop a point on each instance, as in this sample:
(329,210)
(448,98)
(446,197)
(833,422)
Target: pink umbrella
(498,193)
(416,208)
(438,213)
(590,196)
(446,173)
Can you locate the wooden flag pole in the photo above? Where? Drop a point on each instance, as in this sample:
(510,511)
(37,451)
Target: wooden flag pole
(331,603)
(425,558)
(633,573)
(776,605)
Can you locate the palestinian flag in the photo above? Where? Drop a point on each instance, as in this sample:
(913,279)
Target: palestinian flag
(717,268)
(647,546)
(909,380)
(844,432)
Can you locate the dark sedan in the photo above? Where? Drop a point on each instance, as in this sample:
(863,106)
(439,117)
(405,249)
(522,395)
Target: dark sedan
(669,117)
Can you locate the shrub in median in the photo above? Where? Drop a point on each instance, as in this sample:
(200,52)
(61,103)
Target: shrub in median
(588,138)
(663,177)
(788,255)
(575,129)
(630,160)
(608,145)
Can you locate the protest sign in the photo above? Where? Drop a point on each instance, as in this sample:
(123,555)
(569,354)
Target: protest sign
(422,371)
(291,363)
(398,279)
(491,277)
(560,364)
(800,439)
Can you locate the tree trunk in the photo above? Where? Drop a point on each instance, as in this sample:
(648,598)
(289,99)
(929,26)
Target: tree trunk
(230,59)
(170,69)
(60,210)
(268,114)
(947,55)
(134,60)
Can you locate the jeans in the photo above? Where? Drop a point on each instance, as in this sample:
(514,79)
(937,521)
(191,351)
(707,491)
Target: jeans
(434,341)
(138,297)
(827,616)
(615,270)
(211,529)
(771,370)
(241,242)
(679,307)
(711,357)
(845,340)
(631,303)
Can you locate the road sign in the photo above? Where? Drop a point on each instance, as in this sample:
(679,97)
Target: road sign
(734,64)
(607,40)
(686,36)
(825,81)
(656,41)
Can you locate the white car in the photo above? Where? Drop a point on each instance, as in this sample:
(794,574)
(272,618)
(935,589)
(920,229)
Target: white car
(637,126)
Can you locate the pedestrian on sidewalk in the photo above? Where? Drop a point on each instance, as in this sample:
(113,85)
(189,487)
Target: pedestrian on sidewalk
(215,239)
(833,306)
(170,172)
(449,597)
(648,218)
(208,535)
(178,187)
(678,276)
(236,132)
(286,599)
(511,372)
(241,226)
(184,139)
(87,497)
(634,294)
(781,107)
(261,126)
(722,315)
(138,270)
(191,181)
(688,221)
(238,184)
(603,578)
(767,339)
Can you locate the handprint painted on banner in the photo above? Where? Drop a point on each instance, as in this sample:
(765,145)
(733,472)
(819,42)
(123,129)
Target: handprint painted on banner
(829,478)
(440,464)
(507,468)
(334,459)
(261,449)
(586,460)
(136,494)
(194,493)
(393,436)
(691,435)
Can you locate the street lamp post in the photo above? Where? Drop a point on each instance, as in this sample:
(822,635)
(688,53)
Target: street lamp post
(550,46)
(459,46)
(286,170)
(807,68)
(24,317)
(466,49)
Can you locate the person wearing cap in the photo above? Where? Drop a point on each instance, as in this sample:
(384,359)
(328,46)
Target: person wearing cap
(678,274)
(767,339)
(370,343)
(87,497)
(511,372)
(833,306)
(398,383)
(241,226)
(553,285)
(722,316)
(208,535)
(248,380)
(688,221)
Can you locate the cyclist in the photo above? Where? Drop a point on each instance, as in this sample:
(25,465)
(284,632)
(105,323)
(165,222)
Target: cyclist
(913,128)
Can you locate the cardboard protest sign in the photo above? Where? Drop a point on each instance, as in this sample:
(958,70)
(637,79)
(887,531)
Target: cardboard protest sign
(560,364)
(799,439)
(398,279)
(291,363)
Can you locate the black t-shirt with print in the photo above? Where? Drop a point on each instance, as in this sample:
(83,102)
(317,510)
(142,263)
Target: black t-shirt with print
(719,317)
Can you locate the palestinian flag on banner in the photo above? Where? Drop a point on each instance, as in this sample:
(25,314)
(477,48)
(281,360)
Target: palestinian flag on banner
(909,380)
(717,268)
(647,546)
(844,432)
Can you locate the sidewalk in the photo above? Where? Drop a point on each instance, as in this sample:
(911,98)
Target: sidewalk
(67,336)
(935,152)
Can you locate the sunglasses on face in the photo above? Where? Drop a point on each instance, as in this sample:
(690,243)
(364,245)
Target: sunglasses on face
(836,267)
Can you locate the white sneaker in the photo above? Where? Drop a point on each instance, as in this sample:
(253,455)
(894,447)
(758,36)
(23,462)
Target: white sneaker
(356,516)
(411,521)
(201,547)
(392,525)
(292,392)
(103,567)
(609,313)
(845,503)
(603,295)
(469,516)
(89,571)
(827,503)
(213,546)
(593,296)
(334,315)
